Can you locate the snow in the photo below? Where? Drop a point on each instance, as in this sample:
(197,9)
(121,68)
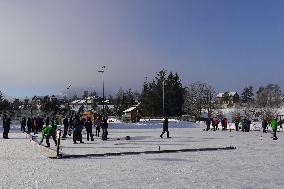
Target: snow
(256,163)
(220,95)
(130,109)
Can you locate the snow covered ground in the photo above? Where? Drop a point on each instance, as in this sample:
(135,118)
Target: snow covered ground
(256,163)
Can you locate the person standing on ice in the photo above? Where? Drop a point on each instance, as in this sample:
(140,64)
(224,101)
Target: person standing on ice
(264,126)
(6,126)
(215,124)
(29,124)
(47,121)
(104,126)
(88,125)
(23,124)
(224,123)
(97,123)
(237,124)
(34,126)
(208,123)
(245,125)
(77,132)
(66,126)
(274,125)
(166,128)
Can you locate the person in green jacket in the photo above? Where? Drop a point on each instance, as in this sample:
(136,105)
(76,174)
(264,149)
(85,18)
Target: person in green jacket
(274,125)
(50,131)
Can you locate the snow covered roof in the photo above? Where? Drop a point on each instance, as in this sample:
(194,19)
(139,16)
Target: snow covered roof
(130,109)
(221,95)
(78,101)
(232,93)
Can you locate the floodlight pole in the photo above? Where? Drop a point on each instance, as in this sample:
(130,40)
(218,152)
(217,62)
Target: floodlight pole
(102,72)
(163,97)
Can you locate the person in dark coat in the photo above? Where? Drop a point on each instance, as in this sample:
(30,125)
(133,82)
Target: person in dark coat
(77,132)
(246,125)
(23,124)
(47,121)
(37,125)
(208,123)
(66,127)
(237,122)
(40,124)
(98,126)
(104,126)
(88,125)
(264,126)
(6,126)
(166,128)
(29,124)
(71,125)
(34,126)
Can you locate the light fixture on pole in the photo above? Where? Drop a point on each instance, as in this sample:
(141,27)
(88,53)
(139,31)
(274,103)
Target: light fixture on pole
(102,72)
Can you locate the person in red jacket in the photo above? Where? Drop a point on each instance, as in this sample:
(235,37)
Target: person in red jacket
(224,123)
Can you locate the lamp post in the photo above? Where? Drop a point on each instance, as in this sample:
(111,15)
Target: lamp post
(102,72)
(163,97)
(68,104)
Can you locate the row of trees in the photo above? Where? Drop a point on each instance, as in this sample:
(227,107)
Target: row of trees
(165,95)
(47,104)
(266,96)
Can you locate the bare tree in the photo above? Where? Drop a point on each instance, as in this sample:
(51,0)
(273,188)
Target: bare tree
(269,96)
(199,96)
(268,113)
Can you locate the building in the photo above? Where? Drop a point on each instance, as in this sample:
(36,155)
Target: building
(131,114)
(91,103)
(227,98)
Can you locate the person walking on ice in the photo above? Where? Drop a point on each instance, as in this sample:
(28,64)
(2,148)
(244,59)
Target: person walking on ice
(166,128)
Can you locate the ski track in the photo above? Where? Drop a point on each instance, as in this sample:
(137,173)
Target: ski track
(255,163)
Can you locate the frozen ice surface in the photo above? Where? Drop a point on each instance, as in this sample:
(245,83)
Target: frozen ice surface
(256,163)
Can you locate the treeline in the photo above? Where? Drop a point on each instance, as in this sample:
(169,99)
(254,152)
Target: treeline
(164,95)
(266,96)
(47,104)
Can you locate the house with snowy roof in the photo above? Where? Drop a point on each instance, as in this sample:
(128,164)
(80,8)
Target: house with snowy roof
(89,104)
(227,98)
(131,114)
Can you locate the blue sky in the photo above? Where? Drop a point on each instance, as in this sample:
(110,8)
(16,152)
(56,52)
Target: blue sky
(47,45)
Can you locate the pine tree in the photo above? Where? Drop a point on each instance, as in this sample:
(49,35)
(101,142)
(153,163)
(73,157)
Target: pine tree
(247,95)
(152,95)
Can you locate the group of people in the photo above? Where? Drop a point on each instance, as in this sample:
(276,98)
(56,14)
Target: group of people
(243,124)
(215,123)
(34,125)
(78,124)
(274,125)
(48,127)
